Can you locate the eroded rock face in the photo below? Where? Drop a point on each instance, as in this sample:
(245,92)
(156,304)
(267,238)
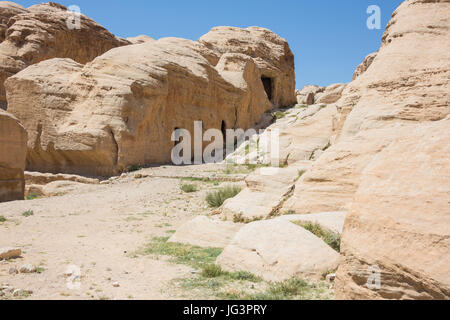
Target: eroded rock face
(270,52)
(122,108)
(364,65)
(399,221)
(388,163)
(13,142)
(382,105)
(41,32)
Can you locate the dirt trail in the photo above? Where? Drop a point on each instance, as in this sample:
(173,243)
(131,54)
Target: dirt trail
(97,228)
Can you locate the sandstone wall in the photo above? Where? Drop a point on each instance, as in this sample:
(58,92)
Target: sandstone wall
(121,108)
(40,32)
(271,53)
(389,165)
(13,141)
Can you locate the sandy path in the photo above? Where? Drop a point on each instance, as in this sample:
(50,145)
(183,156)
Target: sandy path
(97,228)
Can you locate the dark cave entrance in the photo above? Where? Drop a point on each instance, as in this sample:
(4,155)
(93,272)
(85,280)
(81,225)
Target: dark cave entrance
(268,86)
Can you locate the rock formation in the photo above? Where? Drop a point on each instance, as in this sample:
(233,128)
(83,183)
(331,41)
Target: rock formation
(41,32)
(13,145)
(121,108)
(364,65)
(395,185)
(278,250)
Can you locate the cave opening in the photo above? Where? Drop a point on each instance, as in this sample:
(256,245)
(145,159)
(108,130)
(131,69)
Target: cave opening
(268,86)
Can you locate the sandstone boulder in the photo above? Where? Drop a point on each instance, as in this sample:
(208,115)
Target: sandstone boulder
(278,250)
(308,91)
(13,142)
(121,109)
(41,32)
(205,232)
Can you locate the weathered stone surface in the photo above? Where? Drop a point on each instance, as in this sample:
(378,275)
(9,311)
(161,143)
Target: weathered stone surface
(332,221)
(265,192)
(383,105)
(59,188)
(302,95)
(364,65)
(139,39)
(270,52)
(278,250)
(38,178)
(331,94)
(399,221)
(9,253)
(41,32)
(7,10)
(121,109)
(13,142)
(206,232)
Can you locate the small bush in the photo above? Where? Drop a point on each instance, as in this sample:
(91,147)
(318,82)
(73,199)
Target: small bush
(28,213)
(278,115)
(212,271)
(217,198)
(2,219)
(331,238)
(188,188)
(31,196)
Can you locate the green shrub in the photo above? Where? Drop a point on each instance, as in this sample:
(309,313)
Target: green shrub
(31,196)
(212,271)
(333,239)
(188,188)
(2,219)
(28,213)
(216,198)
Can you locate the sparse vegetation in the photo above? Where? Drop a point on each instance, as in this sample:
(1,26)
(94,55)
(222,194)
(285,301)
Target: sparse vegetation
(133,168)
(31,196)
(2,219)
(189,188)
(331,238)
(181,253)
(239,218)
(28,213)
(216,198)
(293,289)
(278,115)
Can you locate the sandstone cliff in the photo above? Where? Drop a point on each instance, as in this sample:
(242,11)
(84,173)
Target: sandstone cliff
(41,32)
(121,108)
(13,141)
(389,165)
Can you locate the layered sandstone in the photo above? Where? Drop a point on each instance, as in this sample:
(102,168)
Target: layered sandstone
(13,142)
(270,52)
(41,32)
(388,163)
(121,108)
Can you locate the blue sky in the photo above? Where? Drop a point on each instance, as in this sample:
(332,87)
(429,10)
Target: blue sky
(328,37)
